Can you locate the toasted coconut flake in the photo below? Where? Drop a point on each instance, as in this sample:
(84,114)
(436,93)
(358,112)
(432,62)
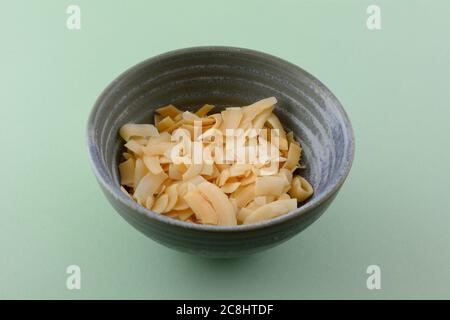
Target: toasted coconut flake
(184,216)
(219,202)
(249,179)
(183,188)
(126,170)
(152,164)
(176,171)
(164,160)
(163,137)
(275,123)
(187,115)
(230,187)
(178,117)
(127,155)
(203,111)
(253,110)
(290,137)
(218,120)
(293,156)
(196,180)
(231,118)
(215,173)
(199,121)
(193,171)
(239,169)
(271,210)
(180,205)
(224,176)
(222,166)
(192,131)
(157,118)
(134,146)
(243,213)
(270,199)
(160,189)
(207,169)
(161,203)
(129,130)
(178,123)
(169,111)
(284,196)
(148,185)
(203,209)
(234,204)
(244,195)
(270,185)
(141,141)
(261,200)
(172,192)
(158,149)
(269,170)
(301,189)
(260,119)
(165,123)
(287,174)
(140,170)
(149,202)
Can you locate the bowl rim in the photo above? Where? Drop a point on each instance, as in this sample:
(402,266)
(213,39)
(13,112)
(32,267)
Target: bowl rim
(105,180)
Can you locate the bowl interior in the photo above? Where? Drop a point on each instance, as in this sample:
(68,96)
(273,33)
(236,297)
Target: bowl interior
(225,77)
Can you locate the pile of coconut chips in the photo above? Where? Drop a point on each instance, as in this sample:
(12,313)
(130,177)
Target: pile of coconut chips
(228,168)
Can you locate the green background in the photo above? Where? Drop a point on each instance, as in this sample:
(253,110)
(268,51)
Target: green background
(393,211)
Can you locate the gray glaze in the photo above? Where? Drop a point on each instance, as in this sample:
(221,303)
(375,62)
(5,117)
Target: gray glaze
(223,76)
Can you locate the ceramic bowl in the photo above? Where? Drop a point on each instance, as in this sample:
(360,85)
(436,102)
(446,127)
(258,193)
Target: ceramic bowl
(223,76)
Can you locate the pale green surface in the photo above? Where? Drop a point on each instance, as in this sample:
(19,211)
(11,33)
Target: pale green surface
(393,211)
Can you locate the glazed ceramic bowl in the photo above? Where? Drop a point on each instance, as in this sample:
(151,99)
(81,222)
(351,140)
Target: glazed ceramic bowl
(223,76)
